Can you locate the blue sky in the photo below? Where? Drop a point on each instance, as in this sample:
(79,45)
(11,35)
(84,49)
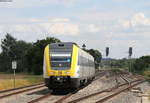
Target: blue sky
(117,24)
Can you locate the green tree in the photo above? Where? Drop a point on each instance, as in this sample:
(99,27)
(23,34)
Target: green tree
(141,64)
(35,54)
(120,63)
(13,50)
(8,50)
(9,46)
(22,48)
(97,56)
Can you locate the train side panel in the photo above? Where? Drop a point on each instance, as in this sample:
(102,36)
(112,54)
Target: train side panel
(86,65)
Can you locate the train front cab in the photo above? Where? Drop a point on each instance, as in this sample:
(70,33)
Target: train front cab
(61,74)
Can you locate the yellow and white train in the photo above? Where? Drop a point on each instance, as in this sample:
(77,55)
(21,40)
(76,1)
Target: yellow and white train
(67,66)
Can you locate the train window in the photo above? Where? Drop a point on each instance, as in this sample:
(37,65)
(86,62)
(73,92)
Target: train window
(60,59)
(59,62)
(82,61)
(61,45)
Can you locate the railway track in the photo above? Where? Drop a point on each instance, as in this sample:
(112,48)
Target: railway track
(15,91)
(109,93)
(59,100)
(3,91)
(125,79)
(10,92)
(100,74)
(119,91)
(40,98)
(113,91)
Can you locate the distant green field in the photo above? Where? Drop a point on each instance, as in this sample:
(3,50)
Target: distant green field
(6,80)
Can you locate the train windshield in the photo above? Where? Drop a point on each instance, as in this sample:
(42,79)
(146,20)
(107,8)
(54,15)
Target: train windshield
(60,61)
(60,56)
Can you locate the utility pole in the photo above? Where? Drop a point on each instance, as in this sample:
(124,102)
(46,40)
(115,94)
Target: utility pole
(14,67)
(14,64)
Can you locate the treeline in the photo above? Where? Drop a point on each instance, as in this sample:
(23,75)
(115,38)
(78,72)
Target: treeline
(29,56)
(142,66)
(135,65)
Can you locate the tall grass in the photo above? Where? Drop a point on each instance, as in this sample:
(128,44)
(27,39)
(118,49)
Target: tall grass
(21,80)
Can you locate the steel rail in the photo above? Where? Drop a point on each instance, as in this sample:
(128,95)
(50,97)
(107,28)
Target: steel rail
(3,91)
(100,74)
(21,91)
(40,98)
(63,98)
(66,96)
(48,95)
(100,92)
(59,100)
(125,79)
(97,93)
(120,91)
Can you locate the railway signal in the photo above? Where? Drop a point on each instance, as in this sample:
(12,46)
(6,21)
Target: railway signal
(130,51)
(107,54)
(107,51)
(84,46)
(130,62)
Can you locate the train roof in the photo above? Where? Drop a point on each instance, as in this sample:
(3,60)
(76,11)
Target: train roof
(66,44)
(63,43)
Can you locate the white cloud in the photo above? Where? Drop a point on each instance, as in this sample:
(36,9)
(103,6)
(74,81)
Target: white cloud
(35,3)
(93,28)
(32,20)
(57,26)
(125,23)
(94,15)
(15,19)
(138,19)
(120,0)
(136,27)
(59,20)
(61,28)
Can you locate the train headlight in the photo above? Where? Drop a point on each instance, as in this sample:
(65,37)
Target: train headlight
(67,72)
(52,73)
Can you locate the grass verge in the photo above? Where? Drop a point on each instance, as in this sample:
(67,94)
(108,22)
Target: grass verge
(6,80)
